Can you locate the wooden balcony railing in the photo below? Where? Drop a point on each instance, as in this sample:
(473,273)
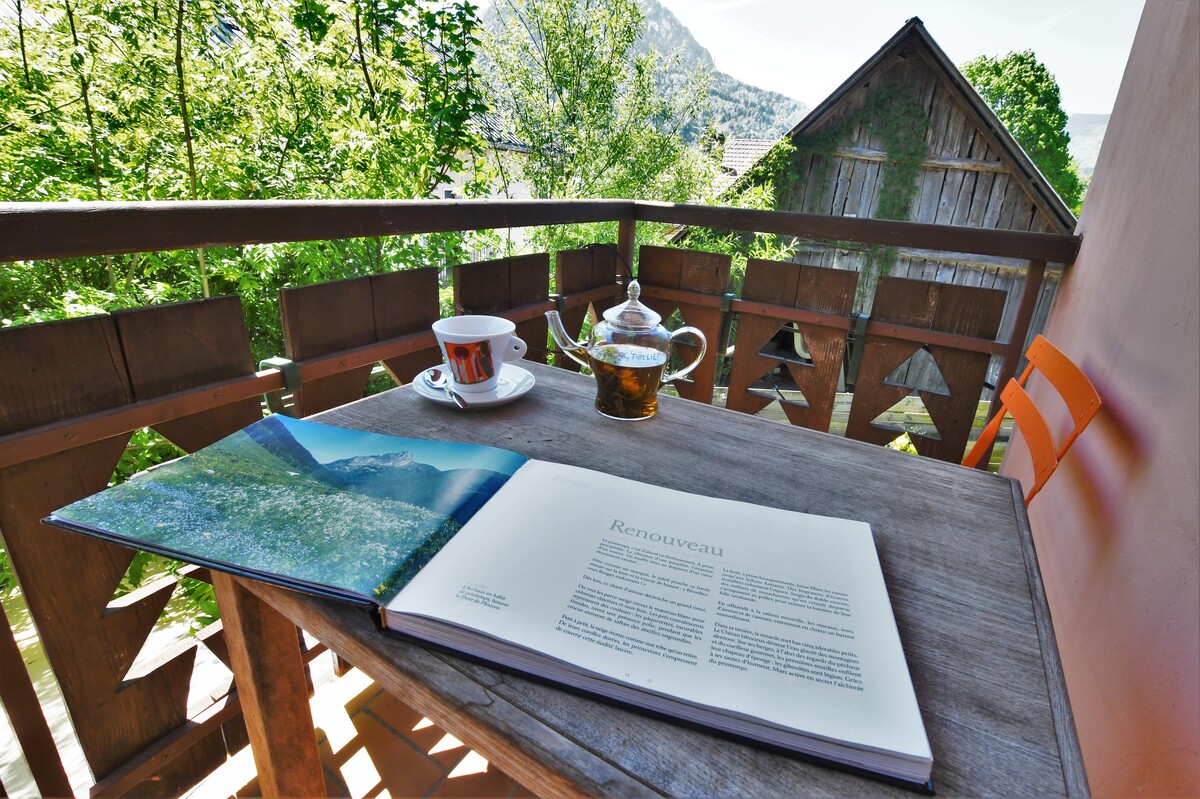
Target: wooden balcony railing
(71,392)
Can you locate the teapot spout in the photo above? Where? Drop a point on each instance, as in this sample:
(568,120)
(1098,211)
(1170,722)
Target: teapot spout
(564,341)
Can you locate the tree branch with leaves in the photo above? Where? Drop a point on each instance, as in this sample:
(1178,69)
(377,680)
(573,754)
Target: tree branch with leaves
(1026,98)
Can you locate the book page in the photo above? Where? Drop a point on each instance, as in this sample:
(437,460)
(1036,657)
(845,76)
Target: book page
(768,614)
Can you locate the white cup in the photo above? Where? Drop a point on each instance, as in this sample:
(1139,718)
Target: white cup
(475,348)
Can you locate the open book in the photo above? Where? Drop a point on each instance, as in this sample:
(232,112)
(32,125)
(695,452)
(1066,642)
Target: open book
(768,625)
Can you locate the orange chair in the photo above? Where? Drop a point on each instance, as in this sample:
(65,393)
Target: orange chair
(1076,390)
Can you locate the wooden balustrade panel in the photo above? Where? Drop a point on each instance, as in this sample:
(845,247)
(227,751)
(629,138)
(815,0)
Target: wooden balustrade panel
(322,318)
(59,371)
(760,350)
(701,273)
(959,310)
(406,302)
(493,287)
(577,271)
(171,348)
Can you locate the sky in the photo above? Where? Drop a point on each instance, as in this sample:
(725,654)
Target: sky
(806,48)
(328,444)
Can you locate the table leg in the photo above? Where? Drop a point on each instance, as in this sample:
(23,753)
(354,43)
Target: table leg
(269,671)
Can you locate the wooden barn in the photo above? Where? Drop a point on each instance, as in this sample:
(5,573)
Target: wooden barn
(906,137)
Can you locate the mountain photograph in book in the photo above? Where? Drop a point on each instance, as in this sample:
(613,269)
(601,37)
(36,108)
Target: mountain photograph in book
(353,511)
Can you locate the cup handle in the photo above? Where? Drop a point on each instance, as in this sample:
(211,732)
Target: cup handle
(703,348)
(516,349)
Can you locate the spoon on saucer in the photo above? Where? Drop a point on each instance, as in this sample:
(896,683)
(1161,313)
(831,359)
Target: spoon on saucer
(442,383)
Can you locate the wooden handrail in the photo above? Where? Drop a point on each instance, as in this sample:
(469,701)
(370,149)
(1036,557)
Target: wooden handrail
(1052,247)
(36,230)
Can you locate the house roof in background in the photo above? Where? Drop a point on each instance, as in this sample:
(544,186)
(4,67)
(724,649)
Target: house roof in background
(913,32)
(739,155)
(497,134)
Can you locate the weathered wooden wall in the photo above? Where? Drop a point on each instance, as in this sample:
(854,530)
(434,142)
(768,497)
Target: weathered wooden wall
(968,178)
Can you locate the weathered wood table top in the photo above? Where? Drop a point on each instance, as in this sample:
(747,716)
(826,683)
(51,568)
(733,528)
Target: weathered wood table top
(957,559)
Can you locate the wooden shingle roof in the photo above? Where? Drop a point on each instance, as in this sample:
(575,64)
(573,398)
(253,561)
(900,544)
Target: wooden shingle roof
(738,156)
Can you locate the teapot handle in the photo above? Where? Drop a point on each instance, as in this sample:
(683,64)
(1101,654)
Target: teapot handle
(703,348)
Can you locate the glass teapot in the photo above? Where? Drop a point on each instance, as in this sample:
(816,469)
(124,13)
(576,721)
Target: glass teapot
(628,353)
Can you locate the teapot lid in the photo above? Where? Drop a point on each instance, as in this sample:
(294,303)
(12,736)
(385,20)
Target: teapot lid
(631,314)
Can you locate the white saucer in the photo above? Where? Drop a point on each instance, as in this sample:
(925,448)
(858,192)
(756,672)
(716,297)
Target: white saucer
(514,382)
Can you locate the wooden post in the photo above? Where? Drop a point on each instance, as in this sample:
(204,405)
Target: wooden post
(626,236)
(1016,342)
(28,721)
(269,672)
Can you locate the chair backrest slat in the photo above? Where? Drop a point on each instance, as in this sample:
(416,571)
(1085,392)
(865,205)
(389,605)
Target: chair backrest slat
(500,285)
(324,318)
(580,271)
(1081,398)
(890,370)
(1034,430)
(1071,383)
(696,273)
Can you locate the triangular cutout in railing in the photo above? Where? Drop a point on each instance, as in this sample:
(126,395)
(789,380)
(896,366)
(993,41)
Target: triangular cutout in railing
(788,344)
(788,394)
(919,372)
(910,416)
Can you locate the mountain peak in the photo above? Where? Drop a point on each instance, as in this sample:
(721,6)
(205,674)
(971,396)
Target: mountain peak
(736,109)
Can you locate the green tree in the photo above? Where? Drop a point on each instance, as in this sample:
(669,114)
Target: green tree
(242,99)
(1026,97)
(569,85)
(163,99)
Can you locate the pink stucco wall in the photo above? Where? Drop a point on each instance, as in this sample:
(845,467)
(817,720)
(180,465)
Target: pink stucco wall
(1117,526)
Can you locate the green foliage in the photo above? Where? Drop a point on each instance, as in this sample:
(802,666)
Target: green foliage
(198,598)
(146,448)
(343,99)
(274,113)
(8,580)
(776,171)
(903,444)
(570,87)
(891,113)
(1026,97)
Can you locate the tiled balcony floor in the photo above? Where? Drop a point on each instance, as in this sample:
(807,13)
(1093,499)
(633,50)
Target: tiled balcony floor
(372,746)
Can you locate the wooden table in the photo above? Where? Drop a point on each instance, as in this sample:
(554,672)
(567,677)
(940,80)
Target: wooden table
(956,554)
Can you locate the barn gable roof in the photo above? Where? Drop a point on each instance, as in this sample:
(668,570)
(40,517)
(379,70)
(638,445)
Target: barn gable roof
(913,40)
